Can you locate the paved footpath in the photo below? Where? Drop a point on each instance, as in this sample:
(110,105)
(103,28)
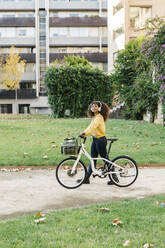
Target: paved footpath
(37,190)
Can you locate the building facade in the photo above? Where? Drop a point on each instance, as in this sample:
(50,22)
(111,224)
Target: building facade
(126,19)
(42,31)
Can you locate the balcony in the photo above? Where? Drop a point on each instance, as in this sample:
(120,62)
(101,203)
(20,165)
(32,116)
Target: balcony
(78,22)
(92,57)
(21,94)
(17,22)
(18,41)
(77,41)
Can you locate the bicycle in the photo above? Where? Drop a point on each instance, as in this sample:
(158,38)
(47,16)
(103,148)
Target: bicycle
(122,170)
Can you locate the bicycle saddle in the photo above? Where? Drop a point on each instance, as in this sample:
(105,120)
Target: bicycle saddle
(112,139)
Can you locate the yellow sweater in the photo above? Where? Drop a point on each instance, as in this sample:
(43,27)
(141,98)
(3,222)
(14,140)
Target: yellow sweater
(97,127)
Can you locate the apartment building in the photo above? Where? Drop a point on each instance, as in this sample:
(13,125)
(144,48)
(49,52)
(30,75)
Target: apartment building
(45,30)
(126,19)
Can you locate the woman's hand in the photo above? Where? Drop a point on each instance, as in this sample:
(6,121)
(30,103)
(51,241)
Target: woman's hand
(82,134)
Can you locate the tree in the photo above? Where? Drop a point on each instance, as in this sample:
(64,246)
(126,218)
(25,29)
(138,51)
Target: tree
(154,51)
(132,81)
(12,69)
(73,83)
(73,60)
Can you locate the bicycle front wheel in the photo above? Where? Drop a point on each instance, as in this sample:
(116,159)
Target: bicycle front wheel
(68,178)
(124,171)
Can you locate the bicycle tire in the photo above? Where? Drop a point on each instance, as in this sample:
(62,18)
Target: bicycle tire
(64,176)
(120,178)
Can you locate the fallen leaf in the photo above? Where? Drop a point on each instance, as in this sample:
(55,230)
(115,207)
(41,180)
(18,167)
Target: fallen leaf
(15,170)
(68,133)
(25,154)
(103,209)
(39,214)
(127,243)
(41,220)
(4,169)
(45,157)
(137,147)
(148,245)
(146,134)
(154,143)
(116,222)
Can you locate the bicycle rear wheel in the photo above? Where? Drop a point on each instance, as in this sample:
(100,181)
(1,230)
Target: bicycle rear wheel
(65,176)
(124,171)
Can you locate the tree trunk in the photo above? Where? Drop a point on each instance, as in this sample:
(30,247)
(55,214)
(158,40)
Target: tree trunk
(16,98)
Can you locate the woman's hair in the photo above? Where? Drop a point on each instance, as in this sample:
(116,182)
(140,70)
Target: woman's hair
(104,109)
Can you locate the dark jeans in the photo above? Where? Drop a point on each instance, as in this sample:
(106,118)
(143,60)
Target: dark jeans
(98,147)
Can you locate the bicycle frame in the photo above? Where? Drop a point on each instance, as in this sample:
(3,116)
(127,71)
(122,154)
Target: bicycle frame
(97,172)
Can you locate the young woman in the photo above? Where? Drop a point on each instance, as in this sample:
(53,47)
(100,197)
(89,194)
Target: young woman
(99,112)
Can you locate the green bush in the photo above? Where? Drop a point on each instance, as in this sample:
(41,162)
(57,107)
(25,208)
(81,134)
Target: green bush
(74,85)
(144,96)
(133,82)
(154,50)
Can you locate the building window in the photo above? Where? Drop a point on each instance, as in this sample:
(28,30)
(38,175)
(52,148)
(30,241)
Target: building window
(118,7)
(62,14)
(22,32)
(6,108)
(7,32)
(78,32)
(8,15)
(115,54)
(118,32)
(55,32)
(139,15)
(30,67)
(42,38)
(28,86)
(43,55)
(25,0)
(24,108)
(74,14)
(25,14)
(93,32)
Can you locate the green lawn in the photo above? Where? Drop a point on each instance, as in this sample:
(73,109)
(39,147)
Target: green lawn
(25,140)
(89,227)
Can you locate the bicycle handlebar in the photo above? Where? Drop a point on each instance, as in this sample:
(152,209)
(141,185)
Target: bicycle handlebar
(83,137)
